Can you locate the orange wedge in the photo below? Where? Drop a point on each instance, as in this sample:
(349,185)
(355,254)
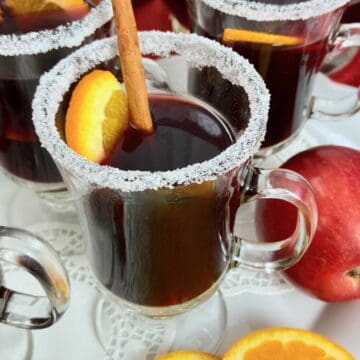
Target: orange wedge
(238,35)
(187,355)
(286,344)
(97,115)
(24,7)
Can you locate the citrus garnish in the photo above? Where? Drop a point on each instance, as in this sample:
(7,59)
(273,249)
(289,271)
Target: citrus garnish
(234,35)
(97,115)
(286,344)
(24,7)
(187,355)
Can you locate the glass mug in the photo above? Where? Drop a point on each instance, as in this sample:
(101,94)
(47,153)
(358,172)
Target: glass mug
(29,46)
(33,255)
(162,242)
(287,43)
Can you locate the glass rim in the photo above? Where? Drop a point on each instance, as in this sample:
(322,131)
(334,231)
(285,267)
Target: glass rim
(69,35)
(259,11)
(197,51)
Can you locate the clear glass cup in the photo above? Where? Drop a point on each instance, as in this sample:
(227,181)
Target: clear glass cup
(30,46)
(162,242)
(33,255)
(286,42)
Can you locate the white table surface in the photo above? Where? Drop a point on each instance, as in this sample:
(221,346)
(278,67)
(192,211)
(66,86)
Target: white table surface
(74,337)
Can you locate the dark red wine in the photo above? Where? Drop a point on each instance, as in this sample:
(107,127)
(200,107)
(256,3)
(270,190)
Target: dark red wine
(288,73)
(286,69)
(185,134)
(20,151)
(352,13)
(164,247)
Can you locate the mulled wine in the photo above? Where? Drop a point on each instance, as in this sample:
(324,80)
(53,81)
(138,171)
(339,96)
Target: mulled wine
(288,73)
(352,13)
(168,246)
(287,69)
(20,151)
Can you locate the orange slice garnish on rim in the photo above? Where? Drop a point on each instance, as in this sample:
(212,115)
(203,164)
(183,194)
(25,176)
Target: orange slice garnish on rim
(25,7)
(239,35)
(97,116)
(286,344)
(187,355)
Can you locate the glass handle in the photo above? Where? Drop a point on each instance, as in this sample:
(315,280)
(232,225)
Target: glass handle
(348,35)
(32,254)
(284,185)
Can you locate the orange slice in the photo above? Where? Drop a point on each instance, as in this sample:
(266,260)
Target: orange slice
(24,7)
(232,35)
(187,355)
(97,115)
(286,344)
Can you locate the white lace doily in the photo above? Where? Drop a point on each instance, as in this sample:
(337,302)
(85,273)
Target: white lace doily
(241,280)
(132,339)
(65,238)
(127,338)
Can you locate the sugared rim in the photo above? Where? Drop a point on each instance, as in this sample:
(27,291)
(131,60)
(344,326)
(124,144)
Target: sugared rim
(259,11)
(198,52)
(70,35)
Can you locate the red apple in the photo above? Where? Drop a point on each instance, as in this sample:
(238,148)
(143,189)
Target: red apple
(330,269)
(163,13)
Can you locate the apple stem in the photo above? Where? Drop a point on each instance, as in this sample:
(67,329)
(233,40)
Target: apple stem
(354,273)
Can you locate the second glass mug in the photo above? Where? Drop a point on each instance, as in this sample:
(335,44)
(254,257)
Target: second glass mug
(30,45)
(162,242)
(287,44)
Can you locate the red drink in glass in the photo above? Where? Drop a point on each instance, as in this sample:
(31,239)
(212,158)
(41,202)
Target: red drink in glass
(21,154)
(288,72)
(152,248)
(287,53)
(352,13)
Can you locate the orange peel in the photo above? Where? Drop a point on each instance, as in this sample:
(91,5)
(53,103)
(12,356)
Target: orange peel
(97,115)
(286,344)
(24,7)
(240,35)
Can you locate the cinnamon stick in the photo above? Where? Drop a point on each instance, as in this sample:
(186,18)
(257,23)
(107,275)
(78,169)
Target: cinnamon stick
(131,65)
